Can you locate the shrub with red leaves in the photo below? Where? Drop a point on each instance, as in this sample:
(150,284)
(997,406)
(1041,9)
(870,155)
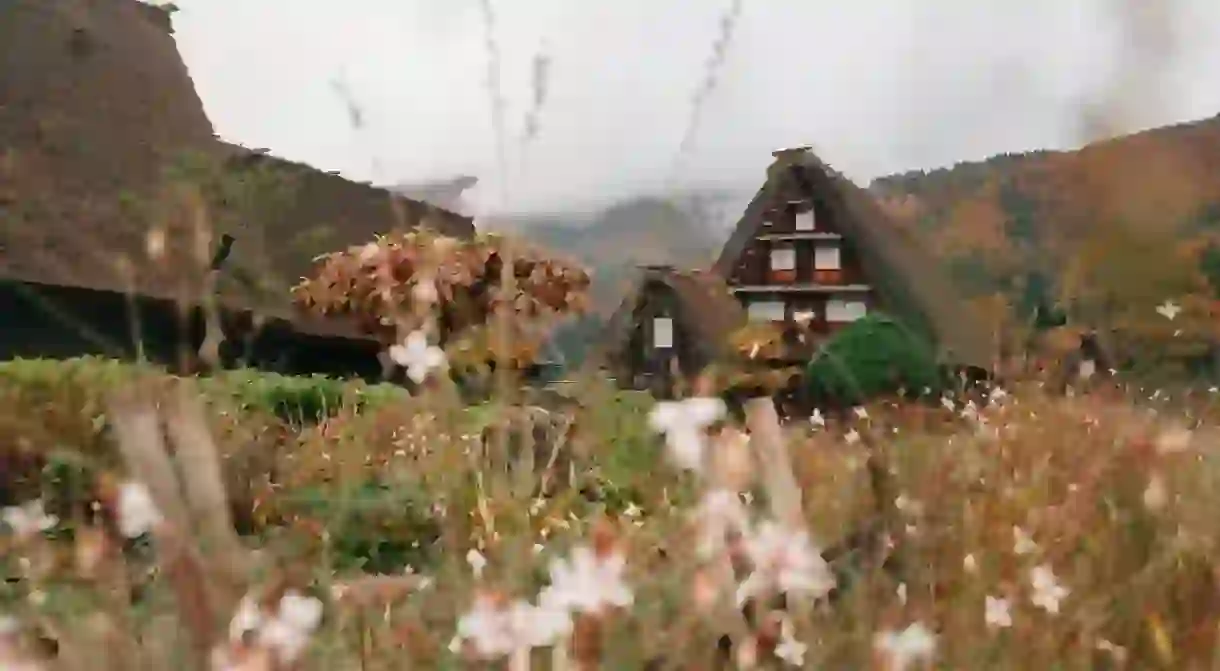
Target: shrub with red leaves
(400,279)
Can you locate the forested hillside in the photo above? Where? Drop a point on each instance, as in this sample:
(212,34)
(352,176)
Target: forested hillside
(1122,235)
(1104,234)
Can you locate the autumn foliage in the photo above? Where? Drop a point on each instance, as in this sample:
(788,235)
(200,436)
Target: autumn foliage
(403,281)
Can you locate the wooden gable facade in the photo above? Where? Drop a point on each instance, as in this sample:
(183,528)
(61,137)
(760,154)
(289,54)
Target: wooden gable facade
(669,328)
(813,252)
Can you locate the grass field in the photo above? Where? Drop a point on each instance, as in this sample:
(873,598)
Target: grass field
(416,532)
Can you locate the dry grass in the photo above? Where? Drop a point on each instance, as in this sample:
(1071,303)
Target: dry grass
(1116,499)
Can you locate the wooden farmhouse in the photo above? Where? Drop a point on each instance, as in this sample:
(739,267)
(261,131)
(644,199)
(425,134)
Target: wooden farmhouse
(811,253)
(672,325)
(101,249)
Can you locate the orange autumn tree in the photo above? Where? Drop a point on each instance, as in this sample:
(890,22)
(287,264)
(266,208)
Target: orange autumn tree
(453,289)
(1145,288)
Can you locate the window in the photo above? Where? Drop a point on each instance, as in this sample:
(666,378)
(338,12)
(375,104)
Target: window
(766,311)
(783,258)
(827,258)
(805,221)
(662,332)
(845,311)
(804,315)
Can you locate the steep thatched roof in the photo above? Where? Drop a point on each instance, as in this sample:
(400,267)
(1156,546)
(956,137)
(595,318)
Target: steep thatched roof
(100,128)
(295,213)
(94,101)
(706,312)
(909,281)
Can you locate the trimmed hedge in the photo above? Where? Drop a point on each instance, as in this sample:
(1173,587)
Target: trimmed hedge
(294,399)
(873,356)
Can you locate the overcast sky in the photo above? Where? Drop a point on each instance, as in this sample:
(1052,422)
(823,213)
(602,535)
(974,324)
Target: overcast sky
(877,86)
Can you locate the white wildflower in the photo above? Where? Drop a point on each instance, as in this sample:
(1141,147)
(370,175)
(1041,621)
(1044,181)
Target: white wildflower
(1174,440)
(790,650)
(137,513)
(28,519)
(369,252)
(587,583)
(816,419)
(1047,590)
(1118,652)
(1156,494)
(907,505)
(286,632)
(632,510)
(970,564)
(477,562)
(852,437)
(289,631)
(1169,310)
(247,618)
(684,424)
(486,626)
(904,648)
(1023,543)
(720,512)
(786,561)
(417,356)
(997,612)
(948,403)
(424,290)
(861,412)
(997,394)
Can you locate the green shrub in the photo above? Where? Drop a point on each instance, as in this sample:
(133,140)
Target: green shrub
(870,357)
(297,399)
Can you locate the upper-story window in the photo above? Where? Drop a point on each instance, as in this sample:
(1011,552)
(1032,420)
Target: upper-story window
(827,257)
(806,219)
(662,332)
(783,258)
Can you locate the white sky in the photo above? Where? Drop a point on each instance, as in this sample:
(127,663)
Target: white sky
(877,86)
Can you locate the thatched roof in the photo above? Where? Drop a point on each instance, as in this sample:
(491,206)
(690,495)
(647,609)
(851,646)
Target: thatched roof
(301,213)
(94,101)
(706,312)
(909,281)
(100,126)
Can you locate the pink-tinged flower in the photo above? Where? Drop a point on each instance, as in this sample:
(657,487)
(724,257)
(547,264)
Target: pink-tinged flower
(902,649)
(790,650)
(1047,590)
(477,562)
(587,583)
(685,424)
(417,356)
(784,560)
(495,629)
(424,291)
(285,633)
(28,519)
(997,612)
(137,513)
(1023,543)
(720,513)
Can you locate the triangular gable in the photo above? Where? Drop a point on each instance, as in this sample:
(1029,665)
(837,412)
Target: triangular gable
(706,312)
(907,280)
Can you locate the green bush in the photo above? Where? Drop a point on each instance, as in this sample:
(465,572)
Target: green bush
(297,399)
(870,357)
